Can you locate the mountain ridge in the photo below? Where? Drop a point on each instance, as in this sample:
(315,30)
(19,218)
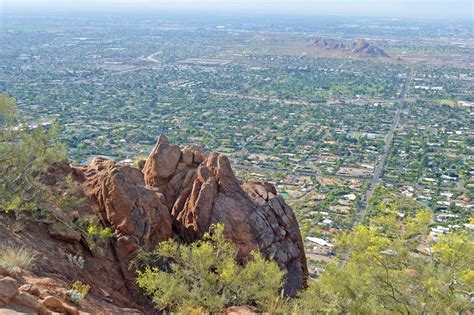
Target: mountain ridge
(360,48)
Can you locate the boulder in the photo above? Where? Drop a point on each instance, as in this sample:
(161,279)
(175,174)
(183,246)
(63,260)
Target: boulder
(241,310)
(5,272)
(171,178)
(62,232)
(162,162)
(55,304)
(8,290)
(29,301)
(136,213)
(31,289)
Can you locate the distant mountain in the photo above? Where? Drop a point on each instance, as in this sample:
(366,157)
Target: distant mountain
(363,48)
(331,44)
(360,48)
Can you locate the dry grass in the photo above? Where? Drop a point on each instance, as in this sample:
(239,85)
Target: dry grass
(12,256)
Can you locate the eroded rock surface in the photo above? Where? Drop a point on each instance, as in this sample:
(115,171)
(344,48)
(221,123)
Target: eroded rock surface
(201,191)
(136,213)
(172,170)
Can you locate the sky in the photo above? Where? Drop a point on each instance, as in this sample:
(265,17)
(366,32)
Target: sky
(453,9)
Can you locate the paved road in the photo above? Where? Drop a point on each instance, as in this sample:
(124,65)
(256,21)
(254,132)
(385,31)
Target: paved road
(382,160)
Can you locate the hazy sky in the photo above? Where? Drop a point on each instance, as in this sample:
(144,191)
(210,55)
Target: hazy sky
(397,8)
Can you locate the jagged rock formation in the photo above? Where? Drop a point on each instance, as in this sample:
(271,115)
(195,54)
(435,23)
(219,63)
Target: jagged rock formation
(360,48)
(320,42)
(180,193)
(203,190)
(363,48)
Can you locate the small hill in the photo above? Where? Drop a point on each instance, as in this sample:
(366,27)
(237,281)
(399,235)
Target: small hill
(320,42)
(361,48)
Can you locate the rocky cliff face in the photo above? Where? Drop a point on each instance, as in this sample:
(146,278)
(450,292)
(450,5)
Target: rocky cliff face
(179,193)
(137,214)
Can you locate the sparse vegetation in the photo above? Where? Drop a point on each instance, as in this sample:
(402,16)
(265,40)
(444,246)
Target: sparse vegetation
(77,260)
(78,292)
(96,233)
(12,256)
(70,200)
(93,230)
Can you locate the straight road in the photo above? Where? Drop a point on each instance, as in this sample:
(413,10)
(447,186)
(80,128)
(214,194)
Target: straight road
(382,160)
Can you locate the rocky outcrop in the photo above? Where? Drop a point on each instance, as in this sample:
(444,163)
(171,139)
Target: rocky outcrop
(202,191)
(136,213)
(320,42)
(55,304)
(361,48)
(8,290)
(64,233)
(180,192)
(172,170)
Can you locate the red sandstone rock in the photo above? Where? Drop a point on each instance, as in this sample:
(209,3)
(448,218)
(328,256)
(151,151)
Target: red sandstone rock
(241,310)
(136,213)
(56,304)
(182,191)
(8,290)
(206,191)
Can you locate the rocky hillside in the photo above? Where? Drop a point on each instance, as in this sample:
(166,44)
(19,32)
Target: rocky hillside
(363,48)
(179,193)
(360,48)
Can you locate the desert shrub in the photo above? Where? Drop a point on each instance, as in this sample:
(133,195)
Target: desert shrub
(205,275)
(387,274)
(25,152)
(12,256)
(93,230)
(70,200)
(77,260)
(78,292)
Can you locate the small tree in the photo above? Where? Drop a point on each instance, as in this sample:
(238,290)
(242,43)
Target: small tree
(25,152)
(205,274)
(387,272)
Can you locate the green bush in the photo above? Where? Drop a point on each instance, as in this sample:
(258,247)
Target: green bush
(93,230)
(206,275)
(25,152)
(70,199)
(78,292)
(386,273)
